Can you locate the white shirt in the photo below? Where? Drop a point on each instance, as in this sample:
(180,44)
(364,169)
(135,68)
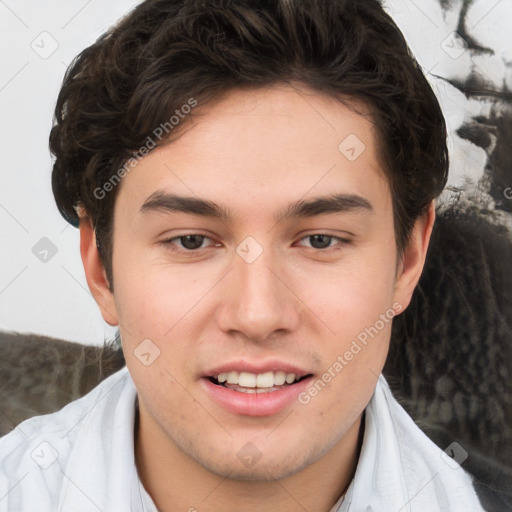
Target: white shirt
(81,459)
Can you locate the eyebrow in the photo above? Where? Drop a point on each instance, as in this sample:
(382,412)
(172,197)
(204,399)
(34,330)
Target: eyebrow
(165,202)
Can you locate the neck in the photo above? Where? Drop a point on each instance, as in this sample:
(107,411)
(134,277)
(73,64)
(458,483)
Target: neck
(177,482)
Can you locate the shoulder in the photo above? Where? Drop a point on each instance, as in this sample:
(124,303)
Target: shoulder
(35,455)
(429,478)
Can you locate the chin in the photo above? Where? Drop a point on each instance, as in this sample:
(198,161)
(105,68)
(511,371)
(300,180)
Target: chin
(268,465)
(268,471)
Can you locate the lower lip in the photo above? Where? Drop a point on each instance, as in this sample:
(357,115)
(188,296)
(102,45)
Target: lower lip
(255,404)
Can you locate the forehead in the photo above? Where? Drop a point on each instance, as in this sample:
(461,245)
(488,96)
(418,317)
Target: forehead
(264,145)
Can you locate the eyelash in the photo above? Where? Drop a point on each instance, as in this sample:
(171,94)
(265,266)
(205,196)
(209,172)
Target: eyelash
(188,252)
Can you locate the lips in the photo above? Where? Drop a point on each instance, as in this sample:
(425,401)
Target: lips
(255,390)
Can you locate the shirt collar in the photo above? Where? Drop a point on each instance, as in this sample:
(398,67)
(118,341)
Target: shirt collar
(398,465)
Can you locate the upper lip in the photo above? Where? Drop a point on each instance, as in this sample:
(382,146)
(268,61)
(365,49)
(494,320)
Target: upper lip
(256,367)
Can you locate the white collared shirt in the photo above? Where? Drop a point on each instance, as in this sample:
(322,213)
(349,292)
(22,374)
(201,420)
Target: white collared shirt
(81,459)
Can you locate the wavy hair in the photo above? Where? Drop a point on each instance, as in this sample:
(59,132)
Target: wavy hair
(119,89)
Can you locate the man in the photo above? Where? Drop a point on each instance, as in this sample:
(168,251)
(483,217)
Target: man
(254,184)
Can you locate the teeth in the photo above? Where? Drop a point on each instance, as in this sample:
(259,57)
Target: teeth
(264,380)
(290,377)
(232,378)
(279,378)
(253,380)
(247,380)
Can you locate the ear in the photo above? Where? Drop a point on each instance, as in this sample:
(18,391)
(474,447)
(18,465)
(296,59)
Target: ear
(95,272)
(413,259)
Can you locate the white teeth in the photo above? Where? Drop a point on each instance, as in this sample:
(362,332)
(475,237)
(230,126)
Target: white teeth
(252,380)
(290,377)
(232,378)
(265,380)
(279,378)
(247,380)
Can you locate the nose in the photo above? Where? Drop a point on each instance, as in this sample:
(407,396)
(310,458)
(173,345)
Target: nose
(258,298)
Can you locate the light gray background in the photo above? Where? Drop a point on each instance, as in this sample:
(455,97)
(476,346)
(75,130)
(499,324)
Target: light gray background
(38,41)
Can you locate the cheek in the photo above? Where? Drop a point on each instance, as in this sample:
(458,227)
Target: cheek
(157,307)
(153,299)
(352,295)
(355,305)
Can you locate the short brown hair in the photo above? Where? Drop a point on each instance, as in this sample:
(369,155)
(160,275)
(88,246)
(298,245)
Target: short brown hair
(164,52)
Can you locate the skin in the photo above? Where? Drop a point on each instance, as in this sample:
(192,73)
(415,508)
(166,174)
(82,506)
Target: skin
(254,151)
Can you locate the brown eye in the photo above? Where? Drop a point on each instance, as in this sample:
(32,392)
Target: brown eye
(192,242)
(320,241)
(187,244)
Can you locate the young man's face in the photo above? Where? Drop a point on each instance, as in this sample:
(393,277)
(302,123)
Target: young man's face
(261,293)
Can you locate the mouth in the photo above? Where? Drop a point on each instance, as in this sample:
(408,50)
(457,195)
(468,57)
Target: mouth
(256,383)
(261,392)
